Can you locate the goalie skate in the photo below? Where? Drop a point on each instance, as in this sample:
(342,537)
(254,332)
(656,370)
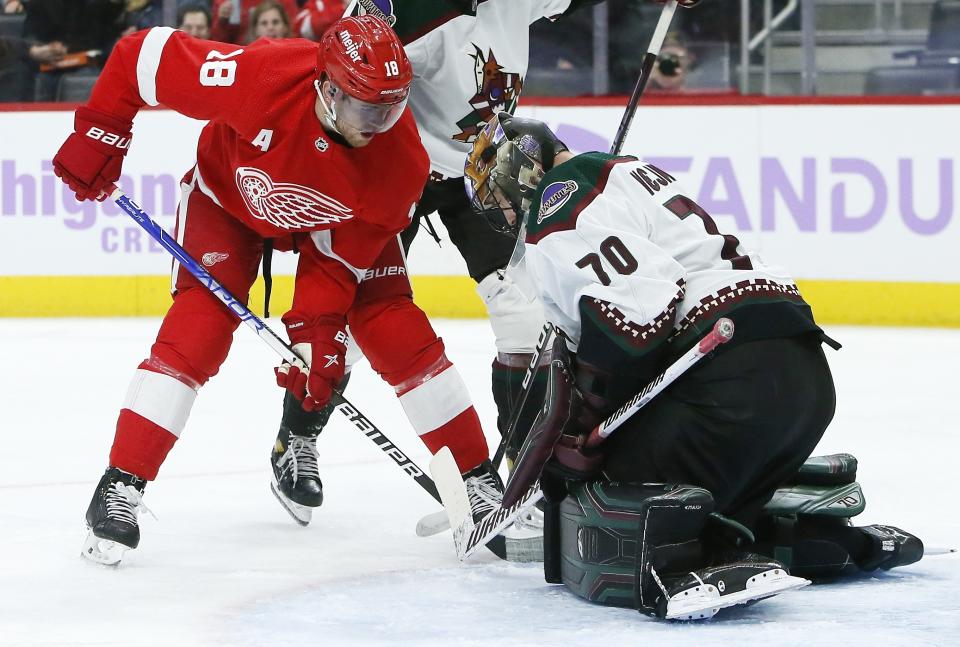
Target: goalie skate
(702,594)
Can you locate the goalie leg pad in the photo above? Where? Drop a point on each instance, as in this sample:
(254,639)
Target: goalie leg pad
(639,546)
(616,540)
(808,528)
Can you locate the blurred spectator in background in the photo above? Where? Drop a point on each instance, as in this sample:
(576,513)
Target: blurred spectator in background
(316,16)
(86,28)
(269,20)
(12,6)
(141,14)
(18,66)
(194,19)
(231,19)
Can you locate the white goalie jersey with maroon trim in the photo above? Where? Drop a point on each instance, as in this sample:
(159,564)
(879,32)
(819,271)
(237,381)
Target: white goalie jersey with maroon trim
(618,247)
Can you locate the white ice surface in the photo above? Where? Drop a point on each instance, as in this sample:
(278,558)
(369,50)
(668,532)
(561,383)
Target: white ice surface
(225,565)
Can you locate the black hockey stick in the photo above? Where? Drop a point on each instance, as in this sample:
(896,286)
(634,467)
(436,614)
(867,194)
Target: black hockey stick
(646,69)
(281,347)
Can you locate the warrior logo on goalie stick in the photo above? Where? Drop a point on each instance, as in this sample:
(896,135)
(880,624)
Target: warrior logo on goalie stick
(288,206)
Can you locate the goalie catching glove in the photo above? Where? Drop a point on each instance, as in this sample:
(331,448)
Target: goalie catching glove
(89,160)
(322,347)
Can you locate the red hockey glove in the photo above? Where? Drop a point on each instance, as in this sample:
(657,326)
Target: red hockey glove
(324,348)
(90,160)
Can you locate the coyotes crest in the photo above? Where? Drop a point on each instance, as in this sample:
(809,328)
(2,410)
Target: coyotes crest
(496,90)
(285,205)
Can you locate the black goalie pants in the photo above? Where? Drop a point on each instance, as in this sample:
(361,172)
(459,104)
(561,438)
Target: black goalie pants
(739,424)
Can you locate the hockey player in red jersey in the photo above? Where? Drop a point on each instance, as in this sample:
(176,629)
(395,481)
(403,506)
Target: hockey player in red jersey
(309,147)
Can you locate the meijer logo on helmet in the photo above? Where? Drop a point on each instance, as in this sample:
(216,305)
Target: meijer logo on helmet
(350,46)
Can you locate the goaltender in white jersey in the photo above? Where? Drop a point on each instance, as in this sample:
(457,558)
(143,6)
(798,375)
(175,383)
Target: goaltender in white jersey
(614,230)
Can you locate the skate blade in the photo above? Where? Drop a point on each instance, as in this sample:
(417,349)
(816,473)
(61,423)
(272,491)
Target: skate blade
(523,543)
(300,513)
(433,524)
(702,602)
(528,549)
(102,551)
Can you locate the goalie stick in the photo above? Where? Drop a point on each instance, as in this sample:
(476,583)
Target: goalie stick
(469,535)
(646,68)
(360,421)
(437,522)
(721,333)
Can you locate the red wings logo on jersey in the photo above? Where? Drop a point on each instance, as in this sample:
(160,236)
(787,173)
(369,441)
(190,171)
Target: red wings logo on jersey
(288,206)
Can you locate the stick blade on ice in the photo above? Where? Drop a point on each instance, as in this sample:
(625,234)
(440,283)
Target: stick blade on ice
(453,493)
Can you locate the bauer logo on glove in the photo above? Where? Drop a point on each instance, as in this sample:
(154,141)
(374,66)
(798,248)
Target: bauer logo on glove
(313,382)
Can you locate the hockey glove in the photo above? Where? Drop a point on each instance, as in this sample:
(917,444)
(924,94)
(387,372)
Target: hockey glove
(323,347)
(89,160)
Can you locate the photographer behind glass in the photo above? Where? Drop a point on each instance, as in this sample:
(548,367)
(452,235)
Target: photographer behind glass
(675,60)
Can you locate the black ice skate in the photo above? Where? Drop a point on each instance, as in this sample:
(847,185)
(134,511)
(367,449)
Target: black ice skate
(484,493)
(112,517)
(700,594)
(521,542)
(296,476)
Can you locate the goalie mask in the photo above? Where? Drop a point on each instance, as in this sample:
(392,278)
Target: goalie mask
(508,160)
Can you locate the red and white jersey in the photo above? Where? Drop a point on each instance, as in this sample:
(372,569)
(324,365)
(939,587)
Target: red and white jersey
(264,156)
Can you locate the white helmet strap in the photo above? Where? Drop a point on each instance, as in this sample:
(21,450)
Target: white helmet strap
(329,117)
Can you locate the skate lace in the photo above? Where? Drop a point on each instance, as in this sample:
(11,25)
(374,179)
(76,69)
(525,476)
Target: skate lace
(123,502)
(301,458)
(483,493)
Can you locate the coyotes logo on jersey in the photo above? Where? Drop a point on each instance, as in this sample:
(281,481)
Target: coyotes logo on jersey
(496,90)
(288,206)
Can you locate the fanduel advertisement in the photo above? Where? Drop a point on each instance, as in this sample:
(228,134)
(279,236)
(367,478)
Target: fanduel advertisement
(830,192)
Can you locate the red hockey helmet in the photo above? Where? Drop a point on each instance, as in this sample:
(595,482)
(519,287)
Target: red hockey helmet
(364,60)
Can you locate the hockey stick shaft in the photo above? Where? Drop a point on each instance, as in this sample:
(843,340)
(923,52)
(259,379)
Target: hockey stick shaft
(272,340)
(471,535)
(722,333)
(532,369)
(646,69)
